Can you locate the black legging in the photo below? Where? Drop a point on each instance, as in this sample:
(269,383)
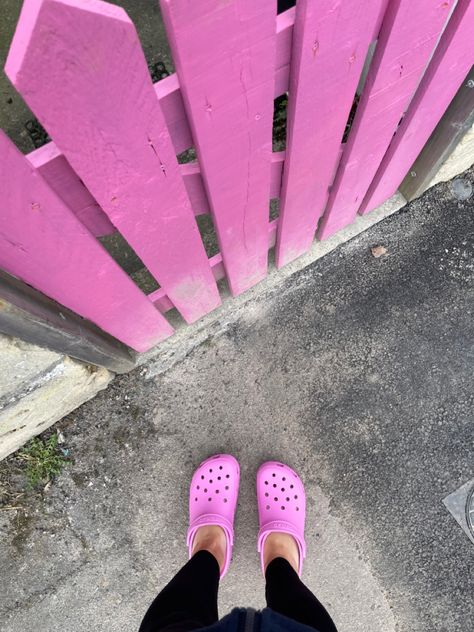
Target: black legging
(189,601)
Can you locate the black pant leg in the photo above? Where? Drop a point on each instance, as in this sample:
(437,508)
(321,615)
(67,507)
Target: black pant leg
(189,601)
(286,594)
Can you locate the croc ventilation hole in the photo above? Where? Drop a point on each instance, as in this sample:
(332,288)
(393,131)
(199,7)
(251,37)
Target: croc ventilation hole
(205,490)
(283,489)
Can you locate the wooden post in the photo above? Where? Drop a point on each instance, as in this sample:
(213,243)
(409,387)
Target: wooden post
(31,316)
(455,123)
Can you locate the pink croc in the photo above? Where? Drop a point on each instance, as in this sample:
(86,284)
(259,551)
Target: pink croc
(213,499)
(281,505)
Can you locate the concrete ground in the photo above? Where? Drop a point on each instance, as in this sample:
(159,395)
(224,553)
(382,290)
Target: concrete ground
(358,372)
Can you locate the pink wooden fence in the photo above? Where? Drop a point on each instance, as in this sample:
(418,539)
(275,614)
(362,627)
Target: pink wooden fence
(113,167)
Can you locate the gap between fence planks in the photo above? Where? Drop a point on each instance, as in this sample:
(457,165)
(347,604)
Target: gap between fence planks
(81,69)
(330,43)
(408,35)
(451,62)
(44,244)
(228,89)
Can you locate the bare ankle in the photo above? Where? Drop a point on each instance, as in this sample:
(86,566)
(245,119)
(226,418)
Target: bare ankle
(212,539)
(281,545)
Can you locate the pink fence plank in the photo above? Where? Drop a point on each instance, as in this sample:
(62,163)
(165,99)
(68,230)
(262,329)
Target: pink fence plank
(191,174)
(284,38)
(169,94)
(330,43)
(57,172)
(227,88)
(451,62)
(408,35)
(68,186)
(276,170)
(162,302)
(81,69)
(379,20)
(44,244)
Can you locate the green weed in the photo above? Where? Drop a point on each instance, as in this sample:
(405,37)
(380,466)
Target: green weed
(43,459)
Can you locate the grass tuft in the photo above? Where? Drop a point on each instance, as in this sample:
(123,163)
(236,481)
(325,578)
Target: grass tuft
(44,460)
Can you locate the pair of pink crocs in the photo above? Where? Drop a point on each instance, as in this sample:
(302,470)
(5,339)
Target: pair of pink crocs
(280,495)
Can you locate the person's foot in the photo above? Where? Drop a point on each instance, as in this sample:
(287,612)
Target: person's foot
(212,503)
(280,545)
(211,538)
(281,513)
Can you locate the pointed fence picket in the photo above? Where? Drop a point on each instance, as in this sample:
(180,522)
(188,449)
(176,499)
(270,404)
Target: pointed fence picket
(228,90)
(101,110)
(43,243)
(330,43)
(407,38)
(450,64)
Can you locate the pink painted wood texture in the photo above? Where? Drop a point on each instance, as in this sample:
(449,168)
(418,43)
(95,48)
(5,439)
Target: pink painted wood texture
(81,69)
(224,54)
(55,169)
(171,101)
(451,62)
(408,35)
(330,43)
(68,186)
(284,39)
(57,172)
(43,243)
(162,302)
(191,174)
